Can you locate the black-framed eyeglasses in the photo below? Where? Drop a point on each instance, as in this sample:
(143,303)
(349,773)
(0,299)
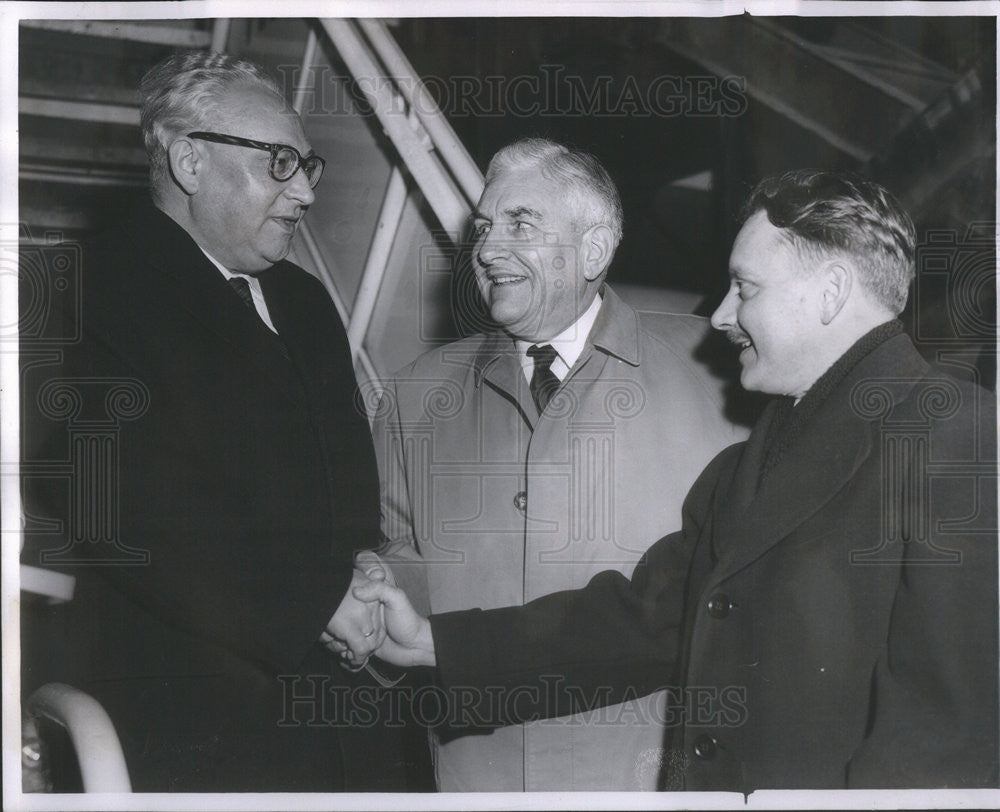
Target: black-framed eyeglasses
(285,160)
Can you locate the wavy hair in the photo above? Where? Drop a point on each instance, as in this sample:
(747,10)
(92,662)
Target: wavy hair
(825,212)
(592,194)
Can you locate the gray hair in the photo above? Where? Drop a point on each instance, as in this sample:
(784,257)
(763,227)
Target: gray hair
(180,93)
(592,193)
(830,211)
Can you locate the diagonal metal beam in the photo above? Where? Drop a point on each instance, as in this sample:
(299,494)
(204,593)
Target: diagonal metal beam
(411,140)
(451,150)
(376,264)
(798,79)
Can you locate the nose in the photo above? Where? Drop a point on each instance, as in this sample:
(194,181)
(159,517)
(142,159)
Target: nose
(489,247)
(297,187)
(724,317)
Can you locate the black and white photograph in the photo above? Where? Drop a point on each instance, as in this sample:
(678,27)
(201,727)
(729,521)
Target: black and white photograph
(575,405)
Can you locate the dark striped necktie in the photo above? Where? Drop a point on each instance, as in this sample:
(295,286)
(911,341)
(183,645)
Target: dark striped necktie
(242,288)
(544,382)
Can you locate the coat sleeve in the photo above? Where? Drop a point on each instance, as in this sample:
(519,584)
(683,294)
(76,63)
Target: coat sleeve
(933,719)
(612,640)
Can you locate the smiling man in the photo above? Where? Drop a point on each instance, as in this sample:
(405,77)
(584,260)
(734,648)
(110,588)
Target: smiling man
(240,478)
(827,616)
(527,458)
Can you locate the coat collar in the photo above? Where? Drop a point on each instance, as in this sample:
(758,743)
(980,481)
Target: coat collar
(826,454)
(196,286)
(616,331)
(166,246)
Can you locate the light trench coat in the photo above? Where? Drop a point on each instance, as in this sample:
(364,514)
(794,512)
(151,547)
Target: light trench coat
(487,504)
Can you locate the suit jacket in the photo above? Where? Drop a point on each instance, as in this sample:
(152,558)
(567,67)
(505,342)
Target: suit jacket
(828,622)
(504,506)
(220,480)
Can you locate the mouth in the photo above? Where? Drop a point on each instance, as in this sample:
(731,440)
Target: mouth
(504,280)
(742,341)
(289,224)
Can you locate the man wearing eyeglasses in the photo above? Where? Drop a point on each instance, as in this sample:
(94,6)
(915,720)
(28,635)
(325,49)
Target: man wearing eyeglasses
(245,476)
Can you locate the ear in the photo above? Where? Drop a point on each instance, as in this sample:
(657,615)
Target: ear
(598,247)
(186,163)
(838,282)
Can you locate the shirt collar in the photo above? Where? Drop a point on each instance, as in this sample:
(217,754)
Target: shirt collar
(615,331)
(569,344)
(228,274)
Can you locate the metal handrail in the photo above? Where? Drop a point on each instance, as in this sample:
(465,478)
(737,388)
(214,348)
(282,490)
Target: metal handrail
(98,751)
(443,170)
(416,149)
(449,147)
(349,317)
(386,228)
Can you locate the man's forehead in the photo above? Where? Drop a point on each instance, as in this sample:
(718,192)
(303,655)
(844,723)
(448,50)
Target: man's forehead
(763,251)
(519,191)
(759,235)
(255,113)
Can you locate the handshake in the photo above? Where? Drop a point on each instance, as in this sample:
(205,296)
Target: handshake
(376,617)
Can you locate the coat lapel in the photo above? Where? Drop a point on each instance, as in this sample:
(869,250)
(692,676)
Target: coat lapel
(196,286)
(615,331)
(498,367)
(808,475)
(829,450)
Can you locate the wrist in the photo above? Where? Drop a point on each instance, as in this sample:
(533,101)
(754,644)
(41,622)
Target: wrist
(424,644)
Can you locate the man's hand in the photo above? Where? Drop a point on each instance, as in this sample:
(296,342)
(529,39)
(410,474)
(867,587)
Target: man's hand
(356,628)
(408,640)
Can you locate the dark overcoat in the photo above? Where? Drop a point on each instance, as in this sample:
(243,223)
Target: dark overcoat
(221,480)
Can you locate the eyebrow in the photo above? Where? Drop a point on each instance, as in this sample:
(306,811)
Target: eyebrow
(523,211)
(514,213)
(309,154)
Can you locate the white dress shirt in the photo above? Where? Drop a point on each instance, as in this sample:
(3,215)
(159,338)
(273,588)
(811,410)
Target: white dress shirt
(568,344)
(255,291)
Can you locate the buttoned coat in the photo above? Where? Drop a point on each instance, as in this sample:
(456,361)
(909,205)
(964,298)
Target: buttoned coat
(504,506)
(833,626)
(215,540)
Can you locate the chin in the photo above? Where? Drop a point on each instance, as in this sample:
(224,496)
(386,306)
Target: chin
(751,385)
(507,317)
(276,255)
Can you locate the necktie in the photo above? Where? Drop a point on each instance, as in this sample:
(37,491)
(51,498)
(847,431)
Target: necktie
(544,382)
(242,287)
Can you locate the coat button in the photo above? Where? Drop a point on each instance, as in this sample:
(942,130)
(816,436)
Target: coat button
(521,500)
(719,605)
(705,747)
